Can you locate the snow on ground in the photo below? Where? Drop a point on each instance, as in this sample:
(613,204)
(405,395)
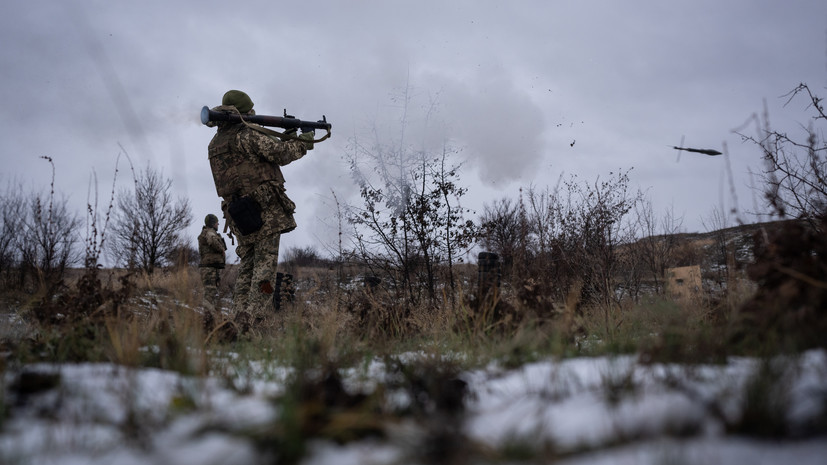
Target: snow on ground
(603,410)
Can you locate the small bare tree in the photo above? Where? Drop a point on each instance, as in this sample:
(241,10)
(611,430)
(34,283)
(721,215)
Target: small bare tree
(500,230)
(601,209)
(50,234)
(790,267)
(794,179)
(407,235)
(722,256)
(658,241)
(147,223)
(12,214)
(410,224)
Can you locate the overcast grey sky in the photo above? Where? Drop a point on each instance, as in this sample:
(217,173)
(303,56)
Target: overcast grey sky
(511,84)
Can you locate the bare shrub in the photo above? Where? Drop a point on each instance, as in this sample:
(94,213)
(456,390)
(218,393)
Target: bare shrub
(410,222)
(182,255)
(789,309)
(308,256)
(571,235)
(659,242)
(500,230)
(47,244)
(12,213)
(794,179)
(723,255)
(148,223)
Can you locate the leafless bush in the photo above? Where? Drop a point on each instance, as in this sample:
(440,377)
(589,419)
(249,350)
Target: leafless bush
(307,256)
(410,221)
(658,243)
(408,238)
(182,255)
(95,226)
(148,222)
(794,179)
(49,239)
(722,255)
(790,265)
(500,230)
(599,228)
(12,212)
(47,242)
(567,237)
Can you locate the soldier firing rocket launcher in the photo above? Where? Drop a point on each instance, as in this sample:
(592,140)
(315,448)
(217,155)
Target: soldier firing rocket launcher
(284,122)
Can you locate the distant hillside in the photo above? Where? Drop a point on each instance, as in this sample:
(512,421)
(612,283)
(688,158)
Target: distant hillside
(714,251)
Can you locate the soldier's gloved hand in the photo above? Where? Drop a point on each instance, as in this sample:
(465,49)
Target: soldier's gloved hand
(307,137)
(288,134)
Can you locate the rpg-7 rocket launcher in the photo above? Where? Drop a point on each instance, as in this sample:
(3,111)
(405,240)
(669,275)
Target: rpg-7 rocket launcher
(284,122)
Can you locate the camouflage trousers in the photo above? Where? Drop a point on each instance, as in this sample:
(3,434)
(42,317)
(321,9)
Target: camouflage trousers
(210,279)
(256,281)
(259,251)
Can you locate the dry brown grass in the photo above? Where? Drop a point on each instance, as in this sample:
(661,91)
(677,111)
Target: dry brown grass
(341,313)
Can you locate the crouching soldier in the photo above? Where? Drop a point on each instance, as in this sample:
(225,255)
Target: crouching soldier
(212,249)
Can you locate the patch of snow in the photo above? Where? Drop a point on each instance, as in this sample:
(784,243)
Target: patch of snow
(591,410)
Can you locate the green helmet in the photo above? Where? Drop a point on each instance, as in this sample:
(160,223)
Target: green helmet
(238,99)
(211,220)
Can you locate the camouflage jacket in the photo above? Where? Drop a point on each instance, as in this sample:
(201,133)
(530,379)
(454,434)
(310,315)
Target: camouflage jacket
(211,248)
(245,162)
